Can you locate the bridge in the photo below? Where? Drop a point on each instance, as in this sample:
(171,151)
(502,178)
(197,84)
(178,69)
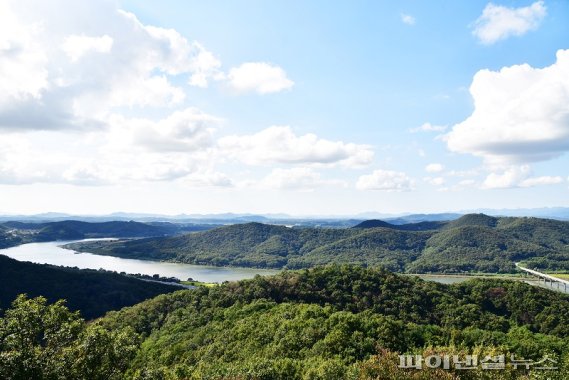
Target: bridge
(547,279)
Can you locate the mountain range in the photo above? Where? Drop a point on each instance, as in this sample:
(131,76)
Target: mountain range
(559,213)
(471,243)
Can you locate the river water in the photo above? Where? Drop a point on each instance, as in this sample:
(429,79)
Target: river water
(51,253)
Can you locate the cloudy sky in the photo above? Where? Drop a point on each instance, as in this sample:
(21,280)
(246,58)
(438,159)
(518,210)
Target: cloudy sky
(283,106)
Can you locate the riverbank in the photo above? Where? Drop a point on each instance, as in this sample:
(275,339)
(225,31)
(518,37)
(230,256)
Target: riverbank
(52,253)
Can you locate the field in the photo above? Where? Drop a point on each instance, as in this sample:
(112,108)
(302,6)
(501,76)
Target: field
(563,276)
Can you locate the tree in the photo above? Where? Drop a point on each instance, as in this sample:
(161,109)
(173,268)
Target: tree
(42,341)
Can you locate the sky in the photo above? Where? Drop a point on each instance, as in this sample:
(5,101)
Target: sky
(296,107)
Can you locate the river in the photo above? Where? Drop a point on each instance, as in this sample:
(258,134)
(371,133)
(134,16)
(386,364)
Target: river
(52,253)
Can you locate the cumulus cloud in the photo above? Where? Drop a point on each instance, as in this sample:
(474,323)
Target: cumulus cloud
(521,114)
(183,131)
(71,82)
(499,22)
(428,127)
(517,176)
(76,46)
(59,72)
(70,73)
(434,168)
(22,59)
(260,77)
(407,19)
(279,144)
(131,150)
(386,180)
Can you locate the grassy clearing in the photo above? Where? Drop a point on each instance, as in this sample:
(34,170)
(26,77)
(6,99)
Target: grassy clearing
(563,276)
(199,283)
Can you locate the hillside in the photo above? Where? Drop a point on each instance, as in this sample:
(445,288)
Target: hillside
(330,321)
(7,239)
(327,323)
(14,232)
(473,242)
(92,292)
(419,226)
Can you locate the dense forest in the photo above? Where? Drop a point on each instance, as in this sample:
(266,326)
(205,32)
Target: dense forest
(472,243)
(15,233)
(333,322)
(91,292)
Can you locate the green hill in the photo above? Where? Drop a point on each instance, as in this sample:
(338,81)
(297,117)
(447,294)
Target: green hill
(92,292)
(7,239)
(327,323)
(21,232)
(331,321)
(419,226)
(474,242)
(473,220)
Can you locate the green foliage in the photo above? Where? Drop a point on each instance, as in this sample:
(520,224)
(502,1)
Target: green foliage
(333,322)
(41,341)
(337,322)
(474,242)
(15,233)
(8,239)
(90,291)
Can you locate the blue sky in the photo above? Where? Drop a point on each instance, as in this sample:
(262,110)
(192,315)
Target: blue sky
(306,108)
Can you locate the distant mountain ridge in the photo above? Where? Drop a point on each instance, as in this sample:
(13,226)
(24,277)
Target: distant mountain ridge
(14,233)
(419,226)
(473,242)
(559,213)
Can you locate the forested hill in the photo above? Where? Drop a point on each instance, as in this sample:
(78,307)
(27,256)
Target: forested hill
(8,239)
(328,323)
(91,292)
(473,242)
(14,233)
(419,226)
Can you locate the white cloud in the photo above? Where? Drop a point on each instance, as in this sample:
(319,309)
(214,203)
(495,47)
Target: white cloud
(540,181)
(408,19)
(73,72)
(279,144)
(177,147)
(180,147)
(517,176)
(464,173)
(498,22)
(259,77)
(22,59)
(521,114)
(76,46)
(436,181)
(60,72)
(385,180)
(183,131)
(434,168)
(428,127)
(84,173)
(507,179)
